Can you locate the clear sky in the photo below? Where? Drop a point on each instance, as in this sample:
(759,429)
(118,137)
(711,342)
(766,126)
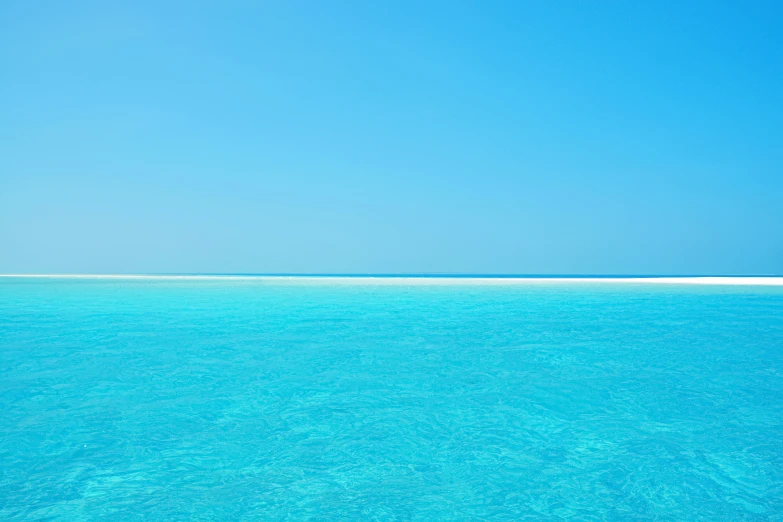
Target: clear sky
(390,136)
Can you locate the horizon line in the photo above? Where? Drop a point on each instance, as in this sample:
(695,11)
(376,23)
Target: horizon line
(744,280)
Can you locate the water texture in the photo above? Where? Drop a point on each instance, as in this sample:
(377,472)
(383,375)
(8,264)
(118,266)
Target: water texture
(292,400)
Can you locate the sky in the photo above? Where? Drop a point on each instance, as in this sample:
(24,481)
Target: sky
(500,137)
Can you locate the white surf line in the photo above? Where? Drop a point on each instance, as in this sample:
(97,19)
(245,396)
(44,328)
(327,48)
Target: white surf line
(432,280)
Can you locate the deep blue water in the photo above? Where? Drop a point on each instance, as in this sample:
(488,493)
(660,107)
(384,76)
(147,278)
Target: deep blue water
(268,400)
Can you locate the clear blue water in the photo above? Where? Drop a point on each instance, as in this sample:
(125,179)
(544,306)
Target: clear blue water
(231,400)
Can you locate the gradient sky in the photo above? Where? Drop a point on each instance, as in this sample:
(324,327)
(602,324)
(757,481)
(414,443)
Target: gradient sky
(387,137)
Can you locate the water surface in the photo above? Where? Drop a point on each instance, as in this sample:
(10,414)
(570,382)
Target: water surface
(274,399)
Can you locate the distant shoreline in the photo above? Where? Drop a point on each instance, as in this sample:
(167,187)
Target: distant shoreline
(437,279)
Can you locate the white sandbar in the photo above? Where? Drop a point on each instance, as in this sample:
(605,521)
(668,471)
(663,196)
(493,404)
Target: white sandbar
(434,280)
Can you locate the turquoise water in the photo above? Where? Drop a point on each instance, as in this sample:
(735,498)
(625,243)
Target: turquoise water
(262,399)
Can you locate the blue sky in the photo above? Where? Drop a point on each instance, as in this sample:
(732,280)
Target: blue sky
(356,137)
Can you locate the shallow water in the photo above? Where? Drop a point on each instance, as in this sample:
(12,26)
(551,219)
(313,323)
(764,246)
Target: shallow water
(263,399)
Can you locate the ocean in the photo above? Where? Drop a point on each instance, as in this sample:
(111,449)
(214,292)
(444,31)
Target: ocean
(355,399)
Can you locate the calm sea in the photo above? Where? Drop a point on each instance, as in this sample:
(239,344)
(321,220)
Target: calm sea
(306,399)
